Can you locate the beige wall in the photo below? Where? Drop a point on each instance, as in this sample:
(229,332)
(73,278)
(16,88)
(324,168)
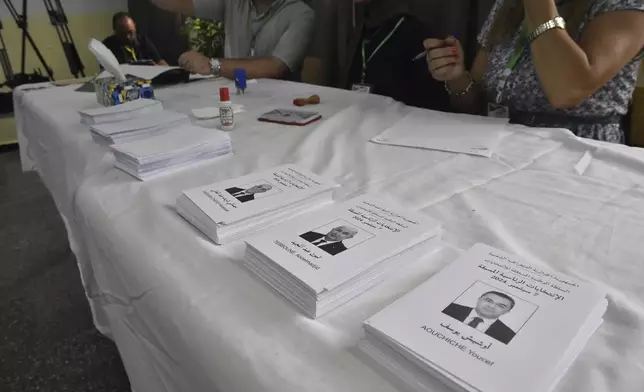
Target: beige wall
(83,27)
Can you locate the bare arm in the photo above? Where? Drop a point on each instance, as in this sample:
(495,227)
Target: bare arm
(570,72)
(186,7)
(473,101)
(263,67)
(445,60)
(285,57)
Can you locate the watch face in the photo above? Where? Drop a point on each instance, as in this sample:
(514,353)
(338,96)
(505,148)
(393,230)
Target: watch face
(216,66)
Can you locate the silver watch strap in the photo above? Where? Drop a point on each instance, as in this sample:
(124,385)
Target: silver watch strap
(215,65)
(556,23)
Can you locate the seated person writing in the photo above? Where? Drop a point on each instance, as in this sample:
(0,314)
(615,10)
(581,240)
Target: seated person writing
(267,38)
(381,52)
(127,45)
(567,64)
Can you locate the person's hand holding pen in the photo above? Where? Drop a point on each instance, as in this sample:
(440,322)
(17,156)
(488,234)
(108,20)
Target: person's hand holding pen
(445,58)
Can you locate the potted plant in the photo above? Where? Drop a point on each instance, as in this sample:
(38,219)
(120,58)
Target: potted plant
(205,36)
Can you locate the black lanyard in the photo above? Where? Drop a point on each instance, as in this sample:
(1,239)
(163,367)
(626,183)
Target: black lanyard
(366,59)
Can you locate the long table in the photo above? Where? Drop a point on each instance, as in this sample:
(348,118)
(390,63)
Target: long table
(186,315)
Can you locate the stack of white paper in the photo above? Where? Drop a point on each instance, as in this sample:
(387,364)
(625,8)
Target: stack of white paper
(137,128)
(166,152)
(232,209)
(322,260)
(122,112)
(461,133)
(489,322)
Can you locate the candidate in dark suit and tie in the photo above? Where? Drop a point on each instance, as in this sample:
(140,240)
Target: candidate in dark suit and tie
(331,242)
(246,195)
(485,317)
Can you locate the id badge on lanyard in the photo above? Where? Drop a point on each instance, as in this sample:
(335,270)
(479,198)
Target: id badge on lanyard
(497,109)
(364,87)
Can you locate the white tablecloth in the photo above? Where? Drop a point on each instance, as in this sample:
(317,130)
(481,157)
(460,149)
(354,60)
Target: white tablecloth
(185,314)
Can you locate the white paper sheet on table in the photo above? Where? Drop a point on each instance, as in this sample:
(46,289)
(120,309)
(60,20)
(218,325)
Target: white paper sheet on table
(213,111)
(190,318)
(451,132)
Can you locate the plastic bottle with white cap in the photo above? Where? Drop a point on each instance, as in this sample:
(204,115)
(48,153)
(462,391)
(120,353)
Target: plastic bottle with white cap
(226,115)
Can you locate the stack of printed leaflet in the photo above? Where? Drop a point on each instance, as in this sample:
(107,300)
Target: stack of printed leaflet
(137,128)
(324,259)
(231,209)
(170,151)
(489,322)
(125,111)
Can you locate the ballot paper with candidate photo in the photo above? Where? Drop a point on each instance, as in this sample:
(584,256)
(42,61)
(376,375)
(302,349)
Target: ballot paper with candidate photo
(326,249)
(492,322)
(244,197)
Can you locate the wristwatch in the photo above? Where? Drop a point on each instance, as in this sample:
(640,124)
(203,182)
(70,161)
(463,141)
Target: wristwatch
(556,23)
(215,66)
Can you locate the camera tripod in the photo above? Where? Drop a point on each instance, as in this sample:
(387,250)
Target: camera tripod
(58,19)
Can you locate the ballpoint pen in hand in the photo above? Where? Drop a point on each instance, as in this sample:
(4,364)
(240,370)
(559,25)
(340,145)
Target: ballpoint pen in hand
(425,52)
(420,55)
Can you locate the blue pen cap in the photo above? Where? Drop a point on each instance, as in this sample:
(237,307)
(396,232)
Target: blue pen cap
(240,78)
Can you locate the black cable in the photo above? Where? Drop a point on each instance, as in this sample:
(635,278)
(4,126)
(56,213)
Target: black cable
(59,21)
(22,22)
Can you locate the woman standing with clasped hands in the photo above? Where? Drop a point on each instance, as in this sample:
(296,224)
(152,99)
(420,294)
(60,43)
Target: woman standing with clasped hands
(567,64)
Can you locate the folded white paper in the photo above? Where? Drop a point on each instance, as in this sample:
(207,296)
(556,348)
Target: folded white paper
(228,210)
(489,322)
(165,152)
(124,111)
(138,127)
(460,133)
(323,259)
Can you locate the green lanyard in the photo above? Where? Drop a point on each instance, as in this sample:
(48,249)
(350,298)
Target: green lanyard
(131,51)
(365,60)
(513,61)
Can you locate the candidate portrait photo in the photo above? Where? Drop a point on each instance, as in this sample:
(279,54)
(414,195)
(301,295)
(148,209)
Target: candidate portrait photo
(332,242)
(491,311)
(338,236)
(245,195)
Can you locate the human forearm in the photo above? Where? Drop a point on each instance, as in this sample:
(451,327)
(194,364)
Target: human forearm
(265,67)
(470,102)
(562,65)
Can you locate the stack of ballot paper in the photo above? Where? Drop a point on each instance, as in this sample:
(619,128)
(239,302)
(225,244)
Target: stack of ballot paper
(324,259)
(169,151)
(229,210)
(460,133)
(489,322)
(137,128)
(125,111)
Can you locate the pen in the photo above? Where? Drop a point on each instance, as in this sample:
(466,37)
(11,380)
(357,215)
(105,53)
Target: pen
(425,52)
(420,55)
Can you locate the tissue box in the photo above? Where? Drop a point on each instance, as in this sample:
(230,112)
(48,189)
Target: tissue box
(110,92)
